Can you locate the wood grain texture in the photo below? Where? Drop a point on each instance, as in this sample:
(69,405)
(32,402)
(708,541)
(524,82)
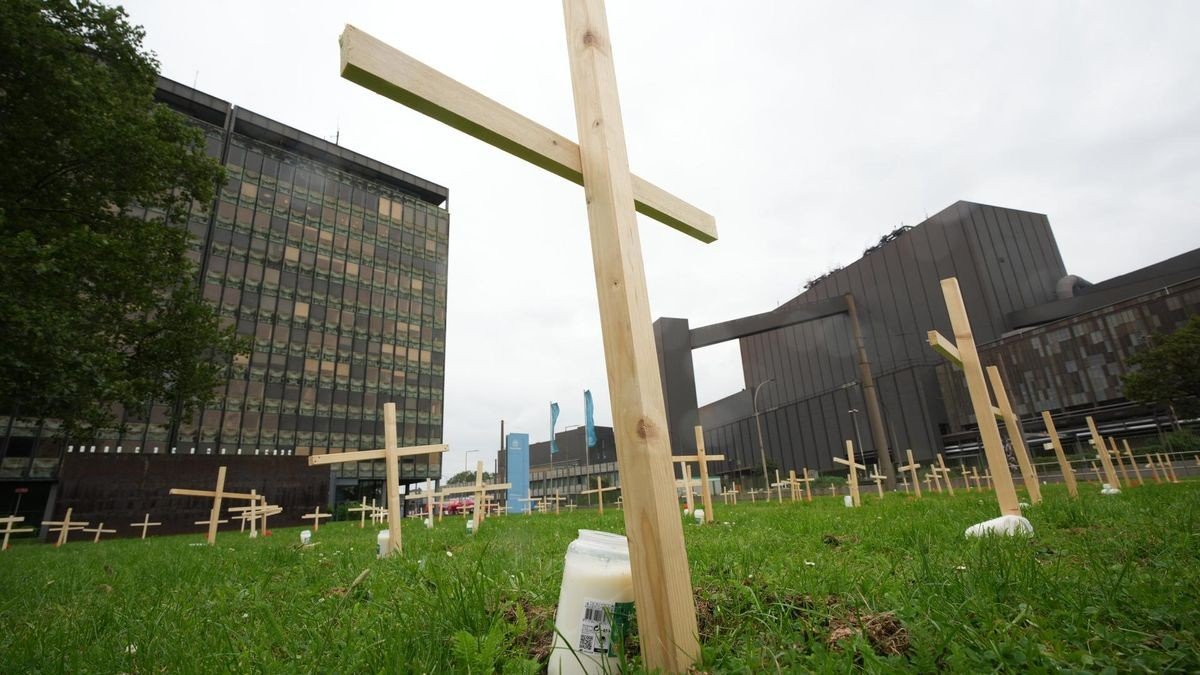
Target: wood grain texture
(1110,473)
(1063,465)
(389,72)
(1012,427)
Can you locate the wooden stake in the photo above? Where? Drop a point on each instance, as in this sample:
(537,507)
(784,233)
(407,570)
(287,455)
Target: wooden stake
(945,472)
(912,467)
(1137,472)
(978,480)
(1063,465)
(145,524)
(1114,451)
(981,402)
(1012,425)
(807,486)
(1098,442)
(1168,467)
(795,486)
(875,476)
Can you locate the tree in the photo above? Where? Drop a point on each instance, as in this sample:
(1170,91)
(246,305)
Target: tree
(98,304)
(468,478)
(1167,372)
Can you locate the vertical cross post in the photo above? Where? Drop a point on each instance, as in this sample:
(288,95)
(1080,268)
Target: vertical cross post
(912,467)
(1109,472)
(1116,452)
(1137,471)
(1012,425)
(1063,465)
(945,472)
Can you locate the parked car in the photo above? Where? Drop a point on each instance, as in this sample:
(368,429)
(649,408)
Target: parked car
(460,505)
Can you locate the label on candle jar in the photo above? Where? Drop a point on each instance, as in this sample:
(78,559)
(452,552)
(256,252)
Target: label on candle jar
(604,626)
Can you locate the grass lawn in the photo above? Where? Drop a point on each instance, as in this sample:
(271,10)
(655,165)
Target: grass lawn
(1107,583)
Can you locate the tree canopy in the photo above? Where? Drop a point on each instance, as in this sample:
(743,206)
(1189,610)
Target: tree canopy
(1167,371)
(98,302)
(468,478)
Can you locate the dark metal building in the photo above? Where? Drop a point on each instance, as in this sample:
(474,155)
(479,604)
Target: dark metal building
(1012,278)
(336,266)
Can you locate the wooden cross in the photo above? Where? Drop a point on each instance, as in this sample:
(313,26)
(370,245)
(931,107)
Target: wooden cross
(378,514)
(937,478)
(361,510)
(912,467)
(1096,472)
(430,498)
(807,485)
(557,499)
(1164,461)
(572,506)
(249,514)
(256,515)
(778,485)
(479,490)
(728,494)
(853,472)
(878,479)
(661,580)
(945,472)
(599,492)
(929,482)
(1098,442)
(216,495)
(64,527)
(978,481)
(145,524)
(1114,451)
(8,522)
(99,529)
(904,479)
(962,353)
(686,483)
(533,503)
(316,517)
(1063,465)
(1012,425)
(391,456)
(795,485)
(702,459)
(966,475)
(1137,471)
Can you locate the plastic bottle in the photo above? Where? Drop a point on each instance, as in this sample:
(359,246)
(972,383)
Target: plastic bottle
(595,604)
(382,541)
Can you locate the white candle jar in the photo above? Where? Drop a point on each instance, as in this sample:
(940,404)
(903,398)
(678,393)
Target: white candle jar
(595,604)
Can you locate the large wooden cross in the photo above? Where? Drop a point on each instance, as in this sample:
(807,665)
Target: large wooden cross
(962,352)
(391,456)
(217,495)
(661,581)
(479,490)
(854,467)
(1063,465)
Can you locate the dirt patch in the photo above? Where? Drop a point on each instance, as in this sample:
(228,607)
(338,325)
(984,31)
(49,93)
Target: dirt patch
(538,637)
(888,637)
(834,540)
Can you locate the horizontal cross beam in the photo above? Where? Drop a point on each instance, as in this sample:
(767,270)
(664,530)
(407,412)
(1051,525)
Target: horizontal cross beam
(473,488)
(183,492)
(696,458)
(944,346)
(387,71)
(361,455)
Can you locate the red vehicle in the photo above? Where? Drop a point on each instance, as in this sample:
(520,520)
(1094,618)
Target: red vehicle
(463,505)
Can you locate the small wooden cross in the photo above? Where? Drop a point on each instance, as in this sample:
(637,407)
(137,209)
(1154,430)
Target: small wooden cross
(479,490)
(430,498)
(557,499)
(1110,473)
(391,455)
(533,504)
(99,529)
(807,485)
(600,162)
(912,467)
(904,479)
(257,513)
(987,475)
(686,483)
(929,482)
(877,478)
(978,480)
(8,522)
(702,459)
(361,510)
(1137,471)
(1096,472)
(966,475)
(728,494)
(145,524)
(316,517)
(64,527)
(945,472)
(572,506)
(962,354)
(620,502)
(795,485)
(599,492)
(778,485)
(1165,460)
(216,495)
(855,499)
(1063,465)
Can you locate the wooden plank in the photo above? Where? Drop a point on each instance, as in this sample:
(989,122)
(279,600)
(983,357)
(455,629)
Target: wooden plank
(361,455)
(981,401)
(1110,473)
(703,460)
(1013,427)
(1063,465)
(1137,471)
(184,492)
(488,487)
(389,72)
(392,475)
(942,345)
(1116,452)
(662,585)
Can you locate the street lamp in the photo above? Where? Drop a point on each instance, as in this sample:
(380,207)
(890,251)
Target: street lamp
(466,466)
(758,425)
(857,438)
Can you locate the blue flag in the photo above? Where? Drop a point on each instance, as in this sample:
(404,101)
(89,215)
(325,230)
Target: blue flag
(590,423)
(553,421)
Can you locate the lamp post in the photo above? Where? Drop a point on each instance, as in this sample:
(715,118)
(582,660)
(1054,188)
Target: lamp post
(758,425)
(857,438)
(466,466)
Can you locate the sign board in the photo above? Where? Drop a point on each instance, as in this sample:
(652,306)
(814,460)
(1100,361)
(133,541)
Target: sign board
(517,448)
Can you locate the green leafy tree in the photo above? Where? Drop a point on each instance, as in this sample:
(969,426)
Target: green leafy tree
(1167,372)
(468,478)
(98,305)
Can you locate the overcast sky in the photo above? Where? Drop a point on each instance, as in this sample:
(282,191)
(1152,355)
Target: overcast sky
(807,129)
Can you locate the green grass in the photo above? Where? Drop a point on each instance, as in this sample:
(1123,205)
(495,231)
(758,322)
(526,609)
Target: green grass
(1108,583)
